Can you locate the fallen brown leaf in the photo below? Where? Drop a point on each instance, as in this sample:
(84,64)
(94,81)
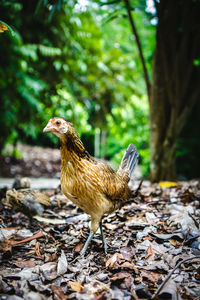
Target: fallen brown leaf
(37,250)
(174,242)
(95,287)
(150,253)
(78,247)
(50,257)
(127,252)
(114,260)
(75,286)
(128,265)
(25,263)
(6,249)
(120,276)
(58,293)
(151,276)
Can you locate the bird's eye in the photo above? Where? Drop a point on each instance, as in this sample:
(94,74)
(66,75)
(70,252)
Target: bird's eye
(58,122)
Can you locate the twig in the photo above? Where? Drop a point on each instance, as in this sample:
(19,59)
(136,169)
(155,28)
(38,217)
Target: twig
(168,277)
(138,189)
(33,237)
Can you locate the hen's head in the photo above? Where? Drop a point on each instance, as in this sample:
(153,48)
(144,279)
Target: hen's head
(59,126)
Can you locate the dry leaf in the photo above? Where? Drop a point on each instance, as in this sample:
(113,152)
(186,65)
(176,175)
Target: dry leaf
(49,257)
(75,286)
(120,276)
(78,247)
(95,287)
(6,249)
(151,276)
(26,263)
(114,260)
(174,242)
(37,250)
(150,253)
(48,271)
(128,265)
(6,233)
(58,293)
(62,264)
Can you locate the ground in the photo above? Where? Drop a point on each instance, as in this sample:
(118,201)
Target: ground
(32,161)
(147,238)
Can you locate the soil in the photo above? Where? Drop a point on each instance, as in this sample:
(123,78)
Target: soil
(35,162)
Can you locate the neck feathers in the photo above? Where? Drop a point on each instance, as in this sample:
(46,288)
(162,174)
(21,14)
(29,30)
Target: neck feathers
(73,146)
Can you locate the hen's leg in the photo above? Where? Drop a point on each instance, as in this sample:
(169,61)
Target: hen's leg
(95,221)
(103,238)
(90,237)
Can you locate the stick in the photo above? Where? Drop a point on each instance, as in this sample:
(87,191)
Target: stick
(33,237)
(138,189)
(168,277)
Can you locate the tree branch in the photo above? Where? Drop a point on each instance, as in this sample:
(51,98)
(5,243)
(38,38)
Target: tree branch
(134,30)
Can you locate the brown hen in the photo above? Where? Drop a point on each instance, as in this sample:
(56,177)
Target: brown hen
(89,183)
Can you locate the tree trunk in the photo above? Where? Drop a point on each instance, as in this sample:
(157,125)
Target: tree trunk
(175,84)
(162,129)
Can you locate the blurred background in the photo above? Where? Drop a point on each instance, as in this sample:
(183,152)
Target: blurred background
(123,71)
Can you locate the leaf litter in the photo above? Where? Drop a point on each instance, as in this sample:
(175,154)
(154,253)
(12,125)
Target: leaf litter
(153,249)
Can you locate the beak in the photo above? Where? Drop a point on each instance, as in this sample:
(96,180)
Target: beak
(48,128)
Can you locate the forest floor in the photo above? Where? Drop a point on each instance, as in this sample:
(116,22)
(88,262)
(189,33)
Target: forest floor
(32,161)
(147,241)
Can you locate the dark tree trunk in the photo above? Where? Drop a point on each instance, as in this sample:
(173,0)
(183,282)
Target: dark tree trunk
(175,85)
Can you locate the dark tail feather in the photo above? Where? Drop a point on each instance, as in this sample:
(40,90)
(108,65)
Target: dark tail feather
(129,160)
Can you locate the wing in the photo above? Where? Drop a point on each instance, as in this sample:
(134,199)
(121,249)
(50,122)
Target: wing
(114,186)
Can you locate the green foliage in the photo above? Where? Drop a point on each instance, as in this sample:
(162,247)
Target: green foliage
(129,124)
(65,60)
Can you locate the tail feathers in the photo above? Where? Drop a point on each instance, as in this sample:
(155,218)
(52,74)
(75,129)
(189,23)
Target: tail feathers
(129,160)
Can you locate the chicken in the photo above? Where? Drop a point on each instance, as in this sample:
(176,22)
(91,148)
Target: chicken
(89,183)
(28,201)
